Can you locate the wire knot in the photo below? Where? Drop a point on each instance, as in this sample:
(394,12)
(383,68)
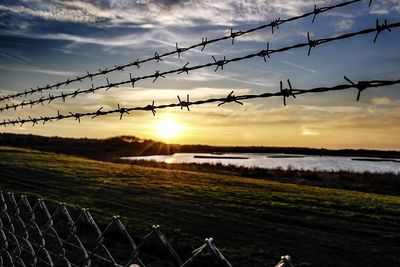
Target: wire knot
(91,89)
(122,111)
(204,42)
(179,50)
(220,63)
(50,98)
(184,104)
(230,98)
(120,68)
(275,24)
(311,43)
(157,57)
(265,53)
(233,34)
(77,116)
(316,12)
(21,122)
(46,119)
(12,122)
(360,86)
(41,100)
(136,63)
(89,75)
(74,94)
(33,120)
(380,28)
(184,69)
(110,85)
(157,75)
(132,80)
(151,108)
(23,103)
(287,92)
(59,115)
(63,96)
(98,113)
(103,72)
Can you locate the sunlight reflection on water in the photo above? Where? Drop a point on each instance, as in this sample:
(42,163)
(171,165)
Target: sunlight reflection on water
(284,161)
(170,160)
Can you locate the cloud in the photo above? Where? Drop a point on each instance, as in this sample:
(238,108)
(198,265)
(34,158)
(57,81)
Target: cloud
(157,13)
(385,7)
(299,66)
(43,71)
(67,11)
(384,101)
(307,132)
(13,55)
(147,23)
(380,101)
(344,24)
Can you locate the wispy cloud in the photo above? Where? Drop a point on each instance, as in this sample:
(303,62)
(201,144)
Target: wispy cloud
(385,7)
(307,132)
(299,66)
(13,55)
(384,101)
(43,71)
(343,24)
(54,11)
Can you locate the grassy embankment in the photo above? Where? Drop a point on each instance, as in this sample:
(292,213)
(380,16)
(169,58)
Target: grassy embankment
(254,221)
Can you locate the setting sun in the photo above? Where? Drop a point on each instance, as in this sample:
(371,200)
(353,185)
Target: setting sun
(168,128)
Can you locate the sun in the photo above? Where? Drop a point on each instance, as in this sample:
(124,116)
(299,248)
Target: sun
(168,128)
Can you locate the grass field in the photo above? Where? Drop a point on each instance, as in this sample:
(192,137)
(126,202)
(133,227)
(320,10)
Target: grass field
(254,221)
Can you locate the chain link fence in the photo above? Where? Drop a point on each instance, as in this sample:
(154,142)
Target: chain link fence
(31,234)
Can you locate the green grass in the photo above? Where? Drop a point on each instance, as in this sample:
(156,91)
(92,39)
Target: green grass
(254,221)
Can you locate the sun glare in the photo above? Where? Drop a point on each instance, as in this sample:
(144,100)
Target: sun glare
(168,129)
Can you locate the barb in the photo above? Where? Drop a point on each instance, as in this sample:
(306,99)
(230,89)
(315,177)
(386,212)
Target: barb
(204,42)
(184,104)
(380,28)
(230,98)
(288,92)
(219,64)
(26,231)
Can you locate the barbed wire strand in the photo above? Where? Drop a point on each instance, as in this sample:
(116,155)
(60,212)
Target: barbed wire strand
(11,216)
(360,86)
(265,53)
(179,50)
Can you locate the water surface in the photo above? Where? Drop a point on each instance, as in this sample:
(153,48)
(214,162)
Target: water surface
(284,161)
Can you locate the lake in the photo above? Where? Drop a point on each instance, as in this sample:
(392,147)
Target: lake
(284,161)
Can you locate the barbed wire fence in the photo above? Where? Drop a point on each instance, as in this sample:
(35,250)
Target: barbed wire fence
(219,64)
(31,234)
(287,92)
(179,50)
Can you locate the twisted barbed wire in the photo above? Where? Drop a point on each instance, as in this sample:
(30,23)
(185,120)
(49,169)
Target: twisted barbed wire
(265,53)
(360,86)
(26,232)
(179,50)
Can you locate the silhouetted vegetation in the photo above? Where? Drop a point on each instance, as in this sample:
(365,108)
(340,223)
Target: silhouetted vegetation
(124,146)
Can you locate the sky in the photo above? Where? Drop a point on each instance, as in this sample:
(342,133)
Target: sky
(49,41)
